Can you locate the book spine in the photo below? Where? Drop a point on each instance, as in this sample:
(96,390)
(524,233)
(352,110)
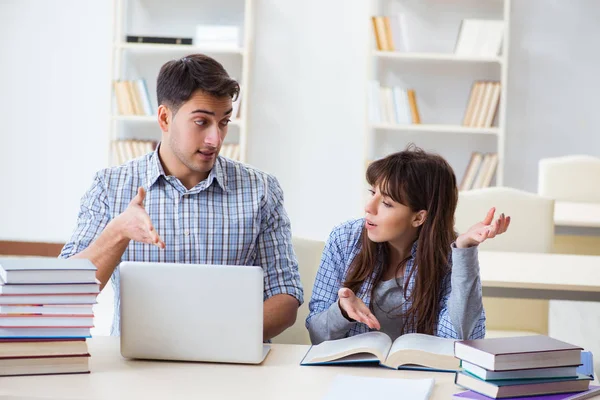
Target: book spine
(376,33)
(412,99)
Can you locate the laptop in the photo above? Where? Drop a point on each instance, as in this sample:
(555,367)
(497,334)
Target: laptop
(191,312)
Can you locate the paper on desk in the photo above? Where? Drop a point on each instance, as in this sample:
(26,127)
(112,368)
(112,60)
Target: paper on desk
(344,387)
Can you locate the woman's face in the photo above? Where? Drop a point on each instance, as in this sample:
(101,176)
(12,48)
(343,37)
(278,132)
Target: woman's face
(389,221)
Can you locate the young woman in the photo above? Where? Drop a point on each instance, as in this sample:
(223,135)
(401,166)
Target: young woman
(402,268)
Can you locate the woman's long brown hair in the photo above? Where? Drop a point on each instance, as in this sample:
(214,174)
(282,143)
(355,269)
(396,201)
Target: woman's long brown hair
(421,181)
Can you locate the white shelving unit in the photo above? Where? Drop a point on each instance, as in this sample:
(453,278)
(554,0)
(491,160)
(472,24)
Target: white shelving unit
(143,60)
(442,81)
(442,57)
(436,128)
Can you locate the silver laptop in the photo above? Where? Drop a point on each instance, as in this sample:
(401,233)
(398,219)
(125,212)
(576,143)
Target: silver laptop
(190,312)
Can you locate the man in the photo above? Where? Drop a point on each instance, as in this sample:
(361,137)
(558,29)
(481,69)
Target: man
(183,203)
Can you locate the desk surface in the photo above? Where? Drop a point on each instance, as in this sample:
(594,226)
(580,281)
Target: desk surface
(577,214)
(280,376)
(539,275)
(540,271)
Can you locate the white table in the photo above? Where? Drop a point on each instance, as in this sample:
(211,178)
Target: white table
(540,275)
(279,377)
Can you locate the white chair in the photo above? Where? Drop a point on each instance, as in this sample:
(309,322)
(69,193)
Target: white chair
(573,178)
(309,254)
(531,230)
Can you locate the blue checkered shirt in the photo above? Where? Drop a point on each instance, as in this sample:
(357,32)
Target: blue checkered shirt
(340,250)
(234,217)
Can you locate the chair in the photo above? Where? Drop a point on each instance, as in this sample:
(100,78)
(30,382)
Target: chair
(531,230)
(570,178)
(309,254)
(573,178)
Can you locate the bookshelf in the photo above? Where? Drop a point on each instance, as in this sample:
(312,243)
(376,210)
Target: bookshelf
(436,128)
(442,57)
(133,61)
(426,58)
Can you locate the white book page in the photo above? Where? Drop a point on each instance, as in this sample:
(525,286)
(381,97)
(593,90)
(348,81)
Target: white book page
(376,343)
(344,387)
(428,343)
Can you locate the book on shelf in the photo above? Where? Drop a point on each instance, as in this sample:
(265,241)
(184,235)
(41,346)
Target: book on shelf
(390,32)
(414,110)
(482,105)
(158,40)
(126,150)
(486,171)
(409,351)
(231,151)
(479,38)
(392,105)
(480,171)
(217,36)
(133,98)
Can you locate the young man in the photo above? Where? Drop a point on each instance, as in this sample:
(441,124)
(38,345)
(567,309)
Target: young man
(183,203)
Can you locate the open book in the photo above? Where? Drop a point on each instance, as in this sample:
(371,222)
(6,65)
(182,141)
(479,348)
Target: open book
(410,351)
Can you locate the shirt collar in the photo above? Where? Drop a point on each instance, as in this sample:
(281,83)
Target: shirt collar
(155,170)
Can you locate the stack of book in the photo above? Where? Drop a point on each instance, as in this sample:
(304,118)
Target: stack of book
(511,367)
(133,98)
(46,313)
(480,171)
(483,104)
(125,150)
(231,151)
(392,105)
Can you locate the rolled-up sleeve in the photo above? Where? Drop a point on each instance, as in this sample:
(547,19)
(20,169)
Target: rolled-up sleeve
(94,215)
(274,247)
(325,321)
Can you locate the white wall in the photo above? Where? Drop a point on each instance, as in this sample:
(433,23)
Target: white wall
(54,110)
(553,83)
(308,113)
(307,106)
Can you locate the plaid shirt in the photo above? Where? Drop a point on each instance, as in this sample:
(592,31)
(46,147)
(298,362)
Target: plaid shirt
(234,217)
(340,250)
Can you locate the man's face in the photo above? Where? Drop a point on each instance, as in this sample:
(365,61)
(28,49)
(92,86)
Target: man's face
(197,130)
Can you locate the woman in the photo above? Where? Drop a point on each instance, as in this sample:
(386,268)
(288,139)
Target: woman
(402,268)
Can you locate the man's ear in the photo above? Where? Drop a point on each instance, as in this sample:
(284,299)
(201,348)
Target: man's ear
(165,118)
(419,218)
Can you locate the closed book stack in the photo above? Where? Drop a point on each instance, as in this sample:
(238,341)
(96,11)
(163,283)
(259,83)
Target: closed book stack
(46,313)
(502,368)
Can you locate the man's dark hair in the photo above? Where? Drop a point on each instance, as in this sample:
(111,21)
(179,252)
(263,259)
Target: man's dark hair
(179,79)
